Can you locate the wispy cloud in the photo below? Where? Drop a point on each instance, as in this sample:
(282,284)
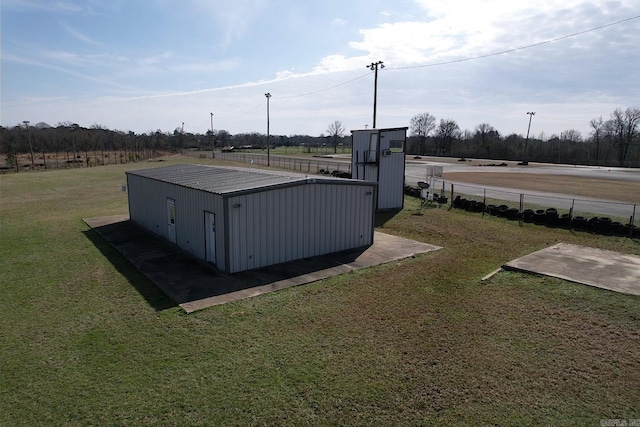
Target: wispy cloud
(98,60)
(321,76)
(80,36)
(55,6)
(71,61)
(157,59)
(234,18)
(198,66)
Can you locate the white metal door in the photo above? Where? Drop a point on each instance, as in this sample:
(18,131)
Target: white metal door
(171,220)
(210,236)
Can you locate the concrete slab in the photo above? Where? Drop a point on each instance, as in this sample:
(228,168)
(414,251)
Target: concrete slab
(194,284)
(594,267)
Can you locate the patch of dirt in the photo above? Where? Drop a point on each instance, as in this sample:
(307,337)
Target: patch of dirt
(627,191)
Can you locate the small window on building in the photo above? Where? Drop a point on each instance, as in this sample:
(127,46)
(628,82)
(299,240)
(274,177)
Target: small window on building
(372,153)
(396,146)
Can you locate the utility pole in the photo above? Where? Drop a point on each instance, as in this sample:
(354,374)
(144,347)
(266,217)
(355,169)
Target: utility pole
(213,140)
(268,95)
(526,142)
(26,123)
(374,67)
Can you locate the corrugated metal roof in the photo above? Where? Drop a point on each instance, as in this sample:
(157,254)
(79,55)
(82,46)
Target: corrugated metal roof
(229,180)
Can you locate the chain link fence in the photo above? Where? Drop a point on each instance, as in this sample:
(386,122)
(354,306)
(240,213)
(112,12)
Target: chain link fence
(315,165)
(606,217)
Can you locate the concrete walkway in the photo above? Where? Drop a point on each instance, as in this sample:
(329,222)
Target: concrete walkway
(595,267)
(194,284)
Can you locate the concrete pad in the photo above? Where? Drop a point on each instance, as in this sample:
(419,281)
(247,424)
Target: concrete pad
(594,267)
(194,284)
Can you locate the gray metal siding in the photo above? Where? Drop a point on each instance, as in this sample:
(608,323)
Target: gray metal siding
(298,222)
(389,170)
(147,207)
(266,227)
(391,184)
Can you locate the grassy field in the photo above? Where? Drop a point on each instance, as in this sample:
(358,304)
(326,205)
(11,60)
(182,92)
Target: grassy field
(88,340)
(309,151)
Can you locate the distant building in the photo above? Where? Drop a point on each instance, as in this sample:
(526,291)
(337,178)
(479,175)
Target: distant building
(240,219)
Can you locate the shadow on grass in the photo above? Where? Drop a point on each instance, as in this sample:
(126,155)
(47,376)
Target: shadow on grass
(185,279)
(149,291)
(385,215)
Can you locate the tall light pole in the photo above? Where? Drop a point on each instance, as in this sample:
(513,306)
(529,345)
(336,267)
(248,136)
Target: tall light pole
(213,140)
(374,67)
(526,142)
(74,130)
(268,95)
(182,138)
(26,123)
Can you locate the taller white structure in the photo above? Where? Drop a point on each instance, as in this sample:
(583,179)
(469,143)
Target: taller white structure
(379,155)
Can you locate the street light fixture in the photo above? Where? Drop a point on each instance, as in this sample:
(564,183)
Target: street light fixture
(268,95)
(526,142)
(374,67)
(182,139)
(213,140)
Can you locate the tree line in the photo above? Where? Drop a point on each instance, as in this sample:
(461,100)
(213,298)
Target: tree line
(611,142)
(67,144)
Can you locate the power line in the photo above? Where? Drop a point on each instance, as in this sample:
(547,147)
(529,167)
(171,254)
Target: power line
(502,52)
(246,112)
(473,58)
(298,96)
(455,61)
(325,89)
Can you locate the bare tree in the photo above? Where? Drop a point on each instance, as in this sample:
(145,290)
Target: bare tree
(421,126)
(569,140)
(571,136)
(631,122)
(486,135)
(336,132)
(597,126)
(622,129)
(447,131)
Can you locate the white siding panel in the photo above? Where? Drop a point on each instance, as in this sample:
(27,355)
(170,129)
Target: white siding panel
(389,172)
(147,207)
(263,230)
(282,225)
(266,228)
(391,185)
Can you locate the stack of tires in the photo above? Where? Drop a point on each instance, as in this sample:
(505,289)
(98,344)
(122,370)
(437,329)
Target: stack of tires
(549,217)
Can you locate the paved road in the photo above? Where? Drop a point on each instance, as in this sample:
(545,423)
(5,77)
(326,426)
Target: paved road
(416,170)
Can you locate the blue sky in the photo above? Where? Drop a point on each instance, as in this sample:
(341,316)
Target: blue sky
(143,65)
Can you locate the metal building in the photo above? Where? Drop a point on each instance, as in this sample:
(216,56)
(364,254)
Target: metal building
(379,155)
(240,219)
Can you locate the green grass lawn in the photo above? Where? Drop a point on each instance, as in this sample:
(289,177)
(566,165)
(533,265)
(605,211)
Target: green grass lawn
(309,151)
(87,340)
